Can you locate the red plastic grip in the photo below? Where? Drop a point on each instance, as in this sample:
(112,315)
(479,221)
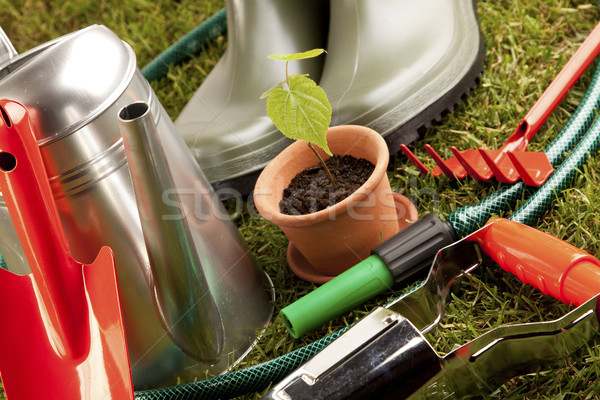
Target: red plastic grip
(556,91)
(554,266)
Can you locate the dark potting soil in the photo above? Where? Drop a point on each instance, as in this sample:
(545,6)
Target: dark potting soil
(311,191)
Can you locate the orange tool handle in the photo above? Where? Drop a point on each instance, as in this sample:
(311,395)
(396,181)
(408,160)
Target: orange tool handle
(554,93)
(552,265)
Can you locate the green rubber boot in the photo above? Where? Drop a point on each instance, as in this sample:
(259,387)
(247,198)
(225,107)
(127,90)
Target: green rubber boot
(397,66)
(225,123)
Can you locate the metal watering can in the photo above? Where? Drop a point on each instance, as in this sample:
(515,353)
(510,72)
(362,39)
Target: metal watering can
(73,88)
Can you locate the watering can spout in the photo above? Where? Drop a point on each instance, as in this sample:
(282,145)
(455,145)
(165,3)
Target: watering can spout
(180,289)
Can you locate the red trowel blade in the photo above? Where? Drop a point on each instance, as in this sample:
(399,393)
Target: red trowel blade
(62,331)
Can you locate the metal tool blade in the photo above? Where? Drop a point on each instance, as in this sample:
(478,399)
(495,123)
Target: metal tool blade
(487,362)
(425,306)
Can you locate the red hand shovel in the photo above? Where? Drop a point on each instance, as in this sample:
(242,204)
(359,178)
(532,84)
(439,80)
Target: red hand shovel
(62,332)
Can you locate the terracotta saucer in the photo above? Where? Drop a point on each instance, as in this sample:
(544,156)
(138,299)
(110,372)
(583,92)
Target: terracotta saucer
(407,213)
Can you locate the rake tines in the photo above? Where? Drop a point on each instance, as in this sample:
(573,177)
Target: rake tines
(511,162)
(505,166)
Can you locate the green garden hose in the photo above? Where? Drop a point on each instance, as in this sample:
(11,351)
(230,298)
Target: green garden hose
(536,205)
(465,220)
(187,46)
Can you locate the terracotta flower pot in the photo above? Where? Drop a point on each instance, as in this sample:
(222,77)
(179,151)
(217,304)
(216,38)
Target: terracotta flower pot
(326,243)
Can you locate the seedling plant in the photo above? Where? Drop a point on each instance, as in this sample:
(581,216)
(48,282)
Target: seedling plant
(299,107)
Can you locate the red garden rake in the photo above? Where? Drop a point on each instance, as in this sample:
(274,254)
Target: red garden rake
(512,161)
(62,334)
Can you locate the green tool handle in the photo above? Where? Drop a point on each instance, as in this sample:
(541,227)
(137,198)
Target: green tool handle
(345,292)
(404,258)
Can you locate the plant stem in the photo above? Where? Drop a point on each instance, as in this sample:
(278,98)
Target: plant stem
(323,165)
(287,75)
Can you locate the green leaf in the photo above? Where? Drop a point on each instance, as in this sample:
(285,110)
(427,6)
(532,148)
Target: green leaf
(275,86)
(268,92)
(306,54)
(301,113)
(282,57)
(297,56)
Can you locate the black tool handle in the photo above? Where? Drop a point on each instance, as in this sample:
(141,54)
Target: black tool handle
(409,253)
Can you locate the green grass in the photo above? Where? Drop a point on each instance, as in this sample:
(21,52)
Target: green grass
(527,44)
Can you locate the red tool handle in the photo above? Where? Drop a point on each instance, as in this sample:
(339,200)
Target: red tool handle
(541,260)
(554,93)
(24,184)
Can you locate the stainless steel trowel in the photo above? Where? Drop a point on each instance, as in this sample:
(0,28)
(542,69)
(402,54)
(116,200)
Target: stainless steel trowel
(386,356)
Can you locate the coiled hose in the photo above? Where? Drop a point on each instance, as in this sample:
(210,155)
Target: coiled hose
(465,220)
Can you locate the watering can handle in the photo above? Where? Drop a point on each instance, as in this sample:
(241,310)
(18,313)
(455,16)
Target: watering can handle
(554,266)
(7,50)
